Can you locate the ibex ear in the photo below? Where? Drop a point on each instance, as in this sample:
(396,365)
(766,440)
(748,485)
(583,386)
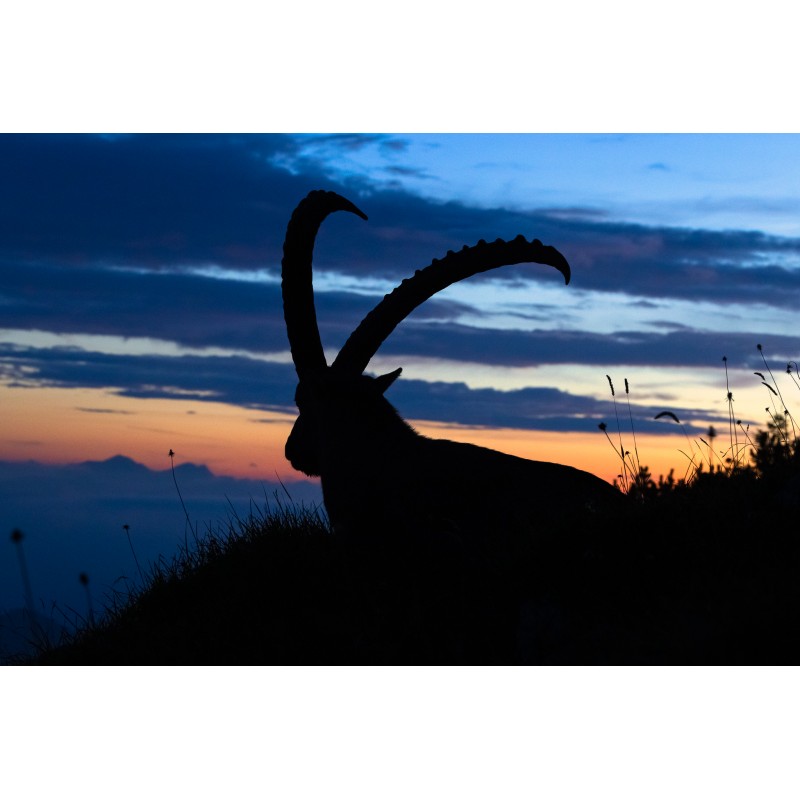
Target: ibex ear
(385,381)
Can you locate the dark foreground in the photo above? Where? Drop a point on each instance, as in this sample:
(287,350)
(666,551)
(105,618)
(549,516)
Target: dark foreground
(709,575)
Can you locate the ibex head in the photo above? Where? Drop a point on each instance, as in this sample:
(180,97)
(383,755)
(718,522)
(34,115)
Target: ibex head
(335,408)
(340,407)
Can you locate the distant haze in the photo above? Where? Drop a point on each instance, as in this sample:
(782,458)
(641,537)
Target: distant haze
(72,519)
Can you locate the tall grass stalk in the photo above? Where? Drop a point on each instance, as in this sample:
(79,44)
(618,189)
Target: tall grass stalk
(732,432)
(712,453)
(180,497)
(16,537)
(625,478)
(633,474)
(674,418)
(84,581)
(791,373)
(127,529)
(633,431)
(776,391)
(39,636)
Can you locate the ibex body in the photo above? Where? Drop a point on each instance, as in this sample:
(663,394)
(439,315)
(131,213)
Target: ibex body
(378,474)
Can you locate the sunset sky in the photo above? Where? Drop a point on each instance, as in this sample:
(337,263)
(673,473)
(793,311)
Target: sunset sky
(141,311)
(141,314)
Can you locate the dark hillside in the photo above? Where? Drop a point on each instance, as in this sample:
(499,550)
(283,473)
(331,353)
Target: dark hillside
(704,573)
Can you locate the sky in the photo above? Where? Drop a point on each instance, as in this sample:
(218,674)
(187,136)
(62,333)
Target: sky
(140,313)
(141,308)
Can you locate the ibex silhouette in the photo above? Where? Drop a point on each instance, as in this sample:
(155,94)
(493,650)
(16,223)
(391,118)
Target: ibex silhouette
(378,474)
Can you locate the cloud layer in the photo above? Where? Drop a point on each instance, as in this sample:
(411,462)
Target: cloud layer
(122,236)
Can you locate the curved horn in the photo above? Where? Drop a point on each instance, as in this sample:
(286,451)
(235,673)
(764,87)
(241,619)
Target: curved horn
(441,273)
(296,278)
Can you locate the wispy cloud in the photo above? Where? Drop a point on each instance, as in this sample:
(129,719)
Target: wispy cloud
(139,236)
(152,202)
(104,411)
(270,386)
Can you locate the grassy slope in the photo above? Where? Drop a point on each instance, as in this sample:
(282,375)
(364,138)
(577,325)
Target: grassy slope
(700,574)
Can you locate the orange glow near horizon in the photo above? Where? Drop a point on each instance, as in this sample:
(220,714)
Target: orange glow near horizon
(587,451)
(62,426)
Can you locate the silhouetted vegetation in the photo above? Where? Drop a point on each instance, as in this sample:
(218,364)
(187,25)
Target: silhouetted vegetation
(698,571)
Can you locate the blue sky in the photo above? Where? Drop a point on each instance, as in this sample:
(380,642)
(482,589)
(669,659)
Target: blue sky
(660,292)
(122,254)
(710,181)
(141,310)
(141,307)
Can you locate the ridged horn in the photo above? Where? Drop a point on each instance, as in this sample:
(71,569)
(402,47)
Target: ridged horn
(296,276)
(441,273)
